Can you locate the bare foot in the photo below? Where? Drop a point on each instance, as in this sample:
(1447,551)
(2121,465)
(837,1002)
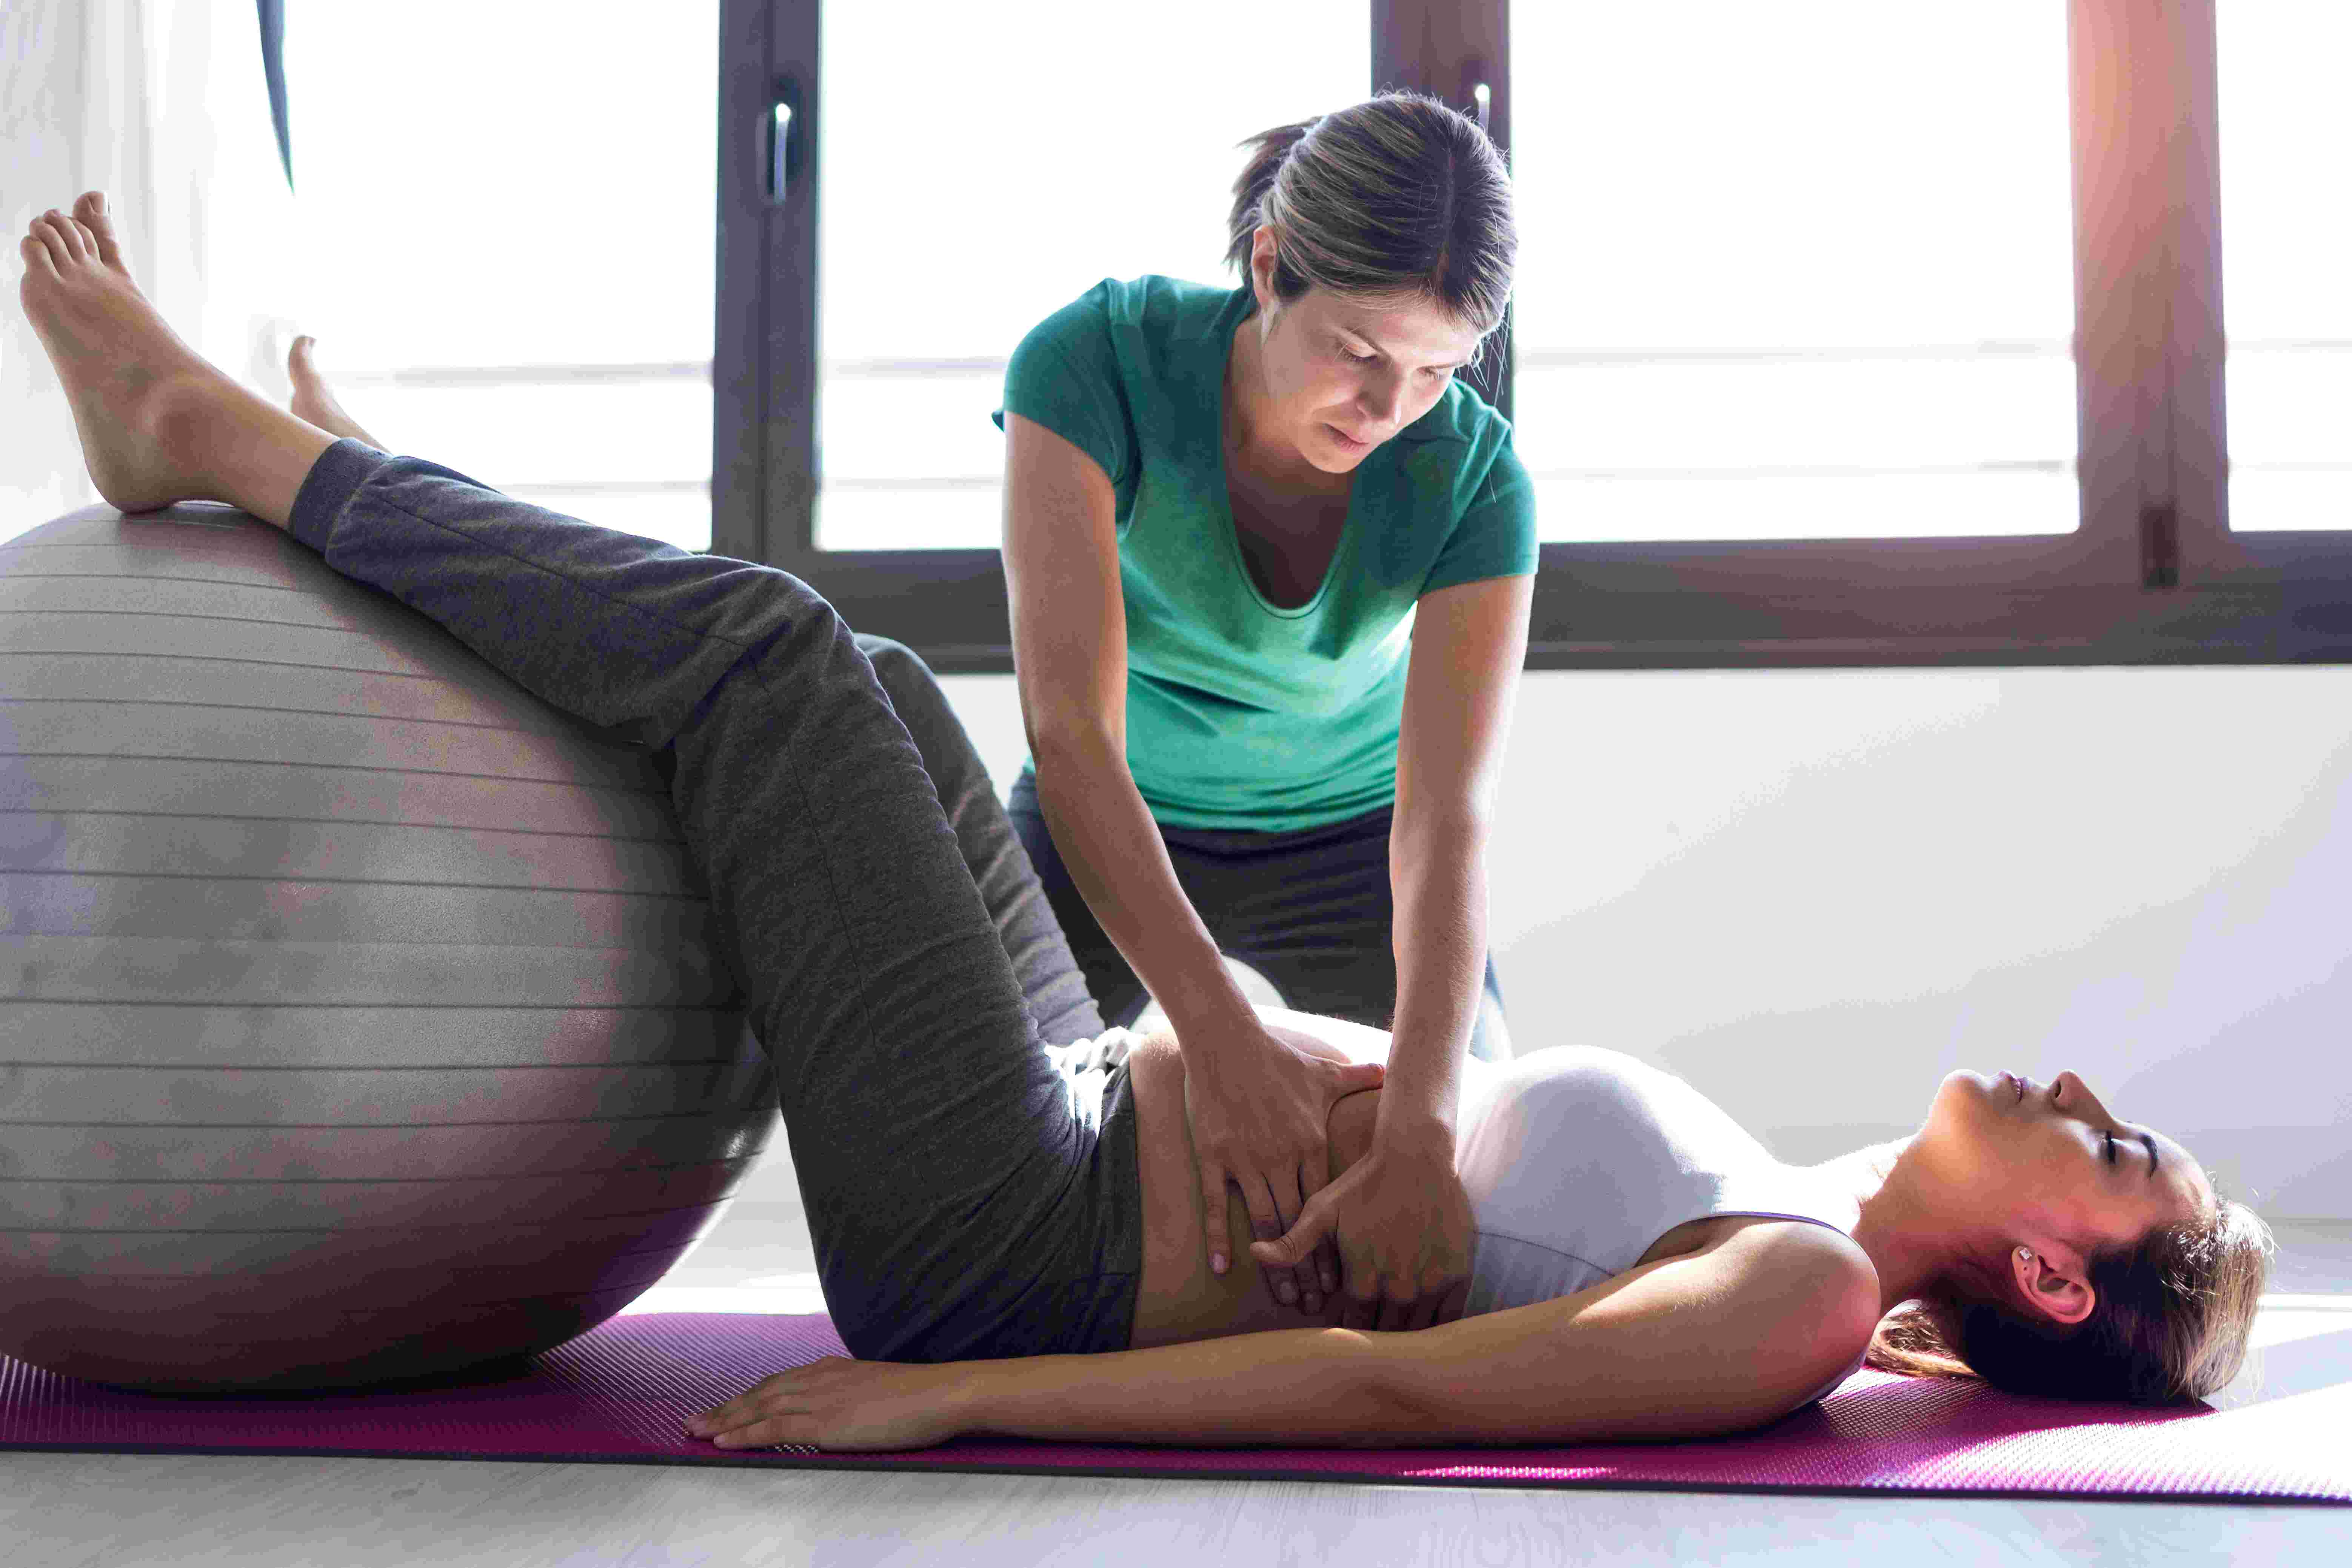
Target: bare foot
(158,423)
(125,371)
(313,402)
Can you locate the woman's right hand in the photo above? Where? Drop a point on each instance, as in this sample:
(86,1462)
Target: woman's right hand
(1259,1108)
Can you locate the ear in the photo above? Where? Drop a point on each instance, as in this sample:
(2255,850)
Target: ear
(2053,1281)
(1262,268)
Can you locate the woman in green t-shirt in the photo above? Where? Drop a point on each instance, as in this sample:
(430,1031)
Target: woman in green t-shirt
(1269,563)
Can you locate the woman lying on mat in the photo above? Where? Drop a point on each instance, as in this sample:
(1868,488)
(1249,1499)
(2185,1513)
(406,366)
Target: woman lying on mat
(985,1206)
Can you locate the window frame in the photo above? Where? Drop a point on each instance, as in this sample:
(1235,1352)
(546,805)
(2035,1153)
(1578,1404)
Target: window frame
(2151,575)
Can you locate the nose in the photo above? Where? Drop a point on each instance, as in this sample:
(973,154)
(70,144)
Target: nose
(1383,400)
(2074,1097)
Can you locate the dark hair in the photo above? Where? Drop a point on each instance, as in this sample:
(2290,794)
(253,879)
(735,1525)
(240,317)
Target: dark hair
(2173,1313)
(1396,195)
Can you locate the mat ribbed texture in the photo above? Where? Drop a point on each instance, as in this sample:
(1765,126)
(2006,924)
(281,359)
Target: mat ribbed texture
(622,1394)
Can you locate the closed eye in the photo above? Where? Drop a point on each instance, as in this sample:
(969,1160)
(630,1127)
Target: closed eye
(2111,1147)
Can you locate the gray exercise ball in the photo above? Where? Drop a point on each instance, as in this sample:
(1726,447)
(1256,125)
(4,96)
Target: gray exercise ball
(361,1016)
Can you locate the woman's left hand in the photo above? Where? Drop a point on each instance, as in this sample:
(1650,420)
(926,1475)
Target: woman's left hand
(841,1404)
(1401,1222)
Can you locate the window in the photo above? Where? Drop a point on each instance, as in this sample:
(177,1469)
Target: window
(1842,336)
(1786,272)
(484,193)
(969,189)
(2288,250)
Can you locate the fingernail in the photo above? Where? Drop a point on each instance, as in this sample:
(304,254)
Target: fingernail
(1287,1291)
(1330,1281)
(1216,1263)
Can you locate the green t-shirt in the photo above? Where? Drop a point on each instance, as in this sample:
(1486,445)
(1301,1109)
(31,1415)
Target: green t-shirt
(1239,713)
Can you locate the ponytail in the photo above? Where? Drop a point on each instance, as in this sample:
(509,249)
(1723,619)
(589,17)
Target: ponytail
(1268,151)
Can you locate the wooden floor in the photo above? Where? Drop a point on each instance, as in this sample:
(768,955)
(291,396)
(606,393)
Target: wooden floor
(114,1511)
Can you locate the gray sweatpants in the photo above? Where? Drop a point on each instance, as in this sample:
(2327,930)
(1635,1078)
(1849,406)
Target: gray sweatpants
(972,1191)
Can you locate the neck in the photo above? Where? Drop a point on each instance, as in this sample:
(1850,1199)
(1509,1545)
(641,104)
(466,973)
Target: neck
(1897,1228)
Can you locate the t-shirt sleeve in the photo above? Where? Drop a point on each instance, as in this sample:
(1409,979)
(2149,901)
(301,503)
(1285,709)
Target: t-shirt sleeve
(1497,534)
(1064,376)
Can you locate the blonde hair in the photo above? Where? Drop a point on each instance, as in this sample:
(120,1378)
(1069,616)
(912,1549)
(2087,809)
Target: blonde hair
(1396,196)
(2174,1312)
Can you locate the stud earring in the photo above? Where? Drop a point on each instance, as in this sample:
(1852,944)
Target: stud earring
(2026,1253)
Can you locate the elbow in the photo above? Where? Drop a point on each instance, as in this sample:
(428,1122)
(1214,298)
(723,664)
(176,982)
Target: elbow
(1395,1401)
(1065,743)
(1451,825)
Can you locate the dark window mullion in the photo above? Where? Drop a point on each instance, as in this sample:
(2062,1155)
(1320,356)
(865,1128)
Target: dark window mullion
(1448,48)
(2118,68)
(2197,472)
(743,297)
(789,330)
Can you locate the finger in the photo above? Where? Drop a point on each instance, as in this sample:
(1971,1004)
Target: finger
(1313,1178)
(721,1417)
(1453,1303)
(1363,1307)
(1420,1313)
(1266,1225)
(1294,1245)
(1213,1215)
(1305,1288)
(1358,1076)
(789,1428)
(1396,1311)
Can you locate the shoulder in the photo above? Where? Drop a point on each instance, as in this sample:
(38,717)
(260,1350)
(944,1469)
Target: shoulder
(1461,421)
(1822,1275)
(1152,307)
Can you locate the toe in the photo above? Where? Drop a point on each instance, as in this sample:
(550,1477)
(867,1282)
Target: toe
(68,234)
(52,243)
(297,358)
(90,211)
(36,257)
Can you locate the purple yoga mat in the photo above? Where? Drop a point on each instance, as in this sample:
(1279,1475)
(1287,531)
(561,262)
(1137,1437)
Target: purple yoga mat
(622,1393)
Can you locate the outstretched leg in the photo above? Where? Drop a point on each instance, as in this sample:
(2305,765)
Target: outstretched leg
(963,1202)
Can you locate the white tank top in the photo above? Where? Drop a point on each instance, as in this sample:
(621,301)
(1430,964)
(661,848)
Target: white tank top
(1578,1159)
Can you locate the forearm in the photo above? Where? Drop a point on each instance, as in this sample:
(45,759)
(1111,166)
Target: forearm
(1319,1387)
(1114,853)
(1437,875)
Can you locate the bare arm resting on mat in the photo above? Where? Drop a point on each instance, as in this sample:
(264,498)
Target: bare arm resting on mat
(1711,1343)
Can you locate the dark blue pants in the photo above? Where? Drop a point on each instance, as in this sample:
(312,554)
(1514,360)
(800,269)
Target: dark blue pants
(967,1195)
(1310,909)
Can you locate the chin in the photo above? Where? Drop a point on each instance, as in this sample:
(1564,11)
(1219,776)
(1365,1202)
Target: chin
(1964,1095)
